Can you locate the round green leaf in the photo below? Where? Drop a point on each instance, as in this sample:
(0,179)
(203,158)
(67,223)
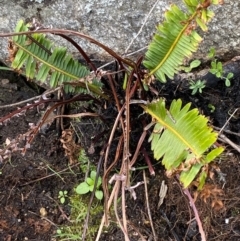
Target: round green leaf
(93,175)
(99,195)
(195,63)
(230,75)
(227,83)
(99,182)
(90,181)
(82,188)
(91,188)
(62,200)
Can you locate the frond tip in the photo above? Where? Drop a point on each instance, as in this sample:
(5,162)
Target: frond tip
(182,138)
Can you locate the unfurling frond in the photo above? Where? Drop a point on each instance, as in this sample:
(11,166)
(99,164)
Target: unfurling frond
(35,56)
(176,38)
(182,138)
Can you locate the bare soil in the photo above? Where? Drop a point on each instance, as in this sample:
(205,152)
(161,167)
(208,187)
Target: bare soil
(29,204)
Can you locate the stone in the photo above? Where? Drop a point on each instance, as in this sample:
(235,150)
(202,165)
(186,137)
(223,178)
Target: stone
(115,23)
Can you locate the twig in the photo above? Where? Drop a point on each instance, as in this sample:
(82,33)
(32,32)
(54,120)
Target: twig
(124,216)
(226,131)
(44,218)
(228,121)
(53,174)
(108,206)
(136,230)
(223,138)
(148,207)
(108,149)
(116,211)
(143,24)
(124,55)
(28,100)
(105,176)
(61,210)
(164,216)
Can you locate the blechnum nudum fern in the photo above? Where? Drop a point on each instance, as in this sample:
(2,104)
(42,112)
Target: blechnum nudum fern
(42,61)
(181,136)
(177,38)
(183,141)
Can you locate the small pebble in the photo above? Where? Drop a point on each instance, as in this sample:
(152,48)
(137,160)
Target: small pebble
(43,212)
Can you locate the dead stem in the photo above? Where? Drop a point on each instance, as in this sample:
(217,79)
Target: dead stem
(107,153)
(71,32)
(105,177)
(231,116)
(29,100)
(116,211)
(53,174)
(124,218)
(226,131)
(223,138)
(109,203)
(192,204)
(148,207)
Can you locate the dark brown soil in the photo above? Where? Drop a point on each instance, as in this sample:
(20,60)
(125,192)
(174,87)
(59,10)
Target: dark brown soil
(29,204)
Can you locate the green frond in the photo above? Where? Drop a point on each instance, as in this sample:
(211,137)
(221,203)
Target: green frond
(38,59)
(176,39)
(182,138)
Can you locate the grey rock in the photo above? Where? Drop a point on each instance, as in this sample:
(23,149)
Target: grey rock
(115,23)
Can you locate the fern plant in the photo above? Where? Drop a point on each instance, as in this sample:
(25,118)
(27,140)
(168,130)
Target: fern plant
(177,38)
(37,58)
(181,136)
(182,139)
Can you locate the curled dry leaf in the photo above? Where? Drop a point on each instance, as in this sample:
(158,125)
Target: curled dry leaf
(214,194)
(72,149)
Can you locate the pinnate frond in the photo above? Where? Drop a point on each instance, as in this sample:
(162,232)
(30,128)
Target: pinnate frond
(176,38)
(182,138)
(36,56)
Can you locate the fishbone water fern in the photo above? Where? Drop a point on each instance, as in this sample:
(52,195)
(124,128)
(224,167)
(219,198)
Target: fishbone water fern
(182,139)
(35,54)
(176,38)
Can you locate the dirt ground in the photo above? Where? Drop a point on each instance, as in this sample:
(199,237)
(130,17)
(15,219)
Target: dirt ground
(29,205)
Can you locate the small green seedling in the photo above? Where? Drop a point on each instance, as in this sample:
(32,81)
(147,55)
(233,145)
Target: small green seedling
(227,79)
(197,86)
(62,196)
(211,107)
(88,186)
(211,53)
(217,68)
(194,64)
